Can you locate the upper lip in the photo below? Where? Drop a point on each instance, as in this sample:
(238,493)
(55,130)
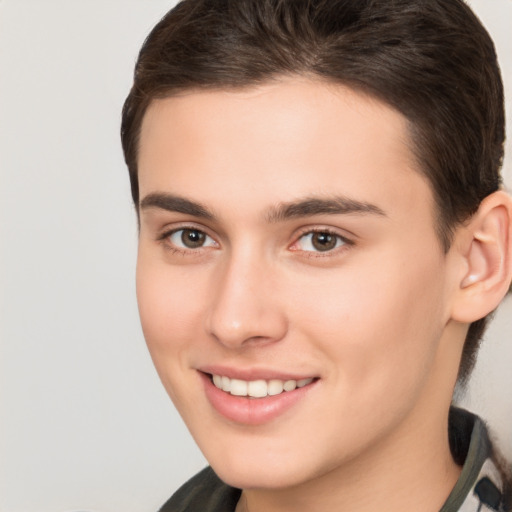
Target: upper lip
(250,374)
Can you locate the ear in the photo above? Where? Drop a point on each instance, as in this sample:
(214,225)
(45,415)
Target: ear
(484,247)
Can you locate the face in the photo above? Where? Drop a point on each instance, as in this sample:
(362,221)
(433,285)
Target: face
(292,290)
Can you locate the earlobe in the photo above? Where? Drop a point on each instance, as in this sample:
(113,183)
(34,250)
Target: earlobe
(487,258)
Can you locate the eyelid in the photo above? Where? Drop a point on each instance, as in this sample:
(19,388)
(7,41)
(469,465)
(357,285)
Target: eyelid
(170,228)
(166,232)
(310,230)
(164,237)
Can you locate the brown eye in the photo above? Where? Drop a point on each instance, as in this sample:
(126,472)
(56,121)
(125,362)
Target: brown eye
(189,238)
(192,238)
(324,241)
(320,241)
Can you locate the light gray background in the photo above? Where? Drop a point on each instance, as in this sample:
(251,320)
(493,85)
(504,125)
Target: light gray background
(85,423)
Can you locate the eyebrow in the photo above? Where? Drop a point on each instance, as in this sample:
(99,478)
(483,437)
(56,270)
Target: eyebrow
(177,204)
(283,211)
(322,206)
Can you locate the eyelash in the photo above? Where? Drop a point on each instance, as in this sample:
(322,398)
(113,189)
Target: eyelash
(345,242)
(164,238)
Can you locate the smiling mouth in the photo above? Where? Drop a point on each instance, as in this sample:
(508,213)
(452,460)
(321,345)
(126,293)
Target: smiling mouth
(257,388)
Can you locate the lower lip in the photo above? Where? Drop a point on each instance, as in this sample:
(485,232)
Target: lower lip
(252,411)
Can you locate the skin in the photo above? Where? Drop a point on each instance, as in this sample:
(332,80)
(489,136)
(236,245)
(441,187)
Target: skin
(372,319)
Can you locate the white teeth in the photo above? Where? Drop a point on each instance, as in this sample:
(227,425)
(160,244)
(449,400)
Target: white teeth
(238,387)
(290,385)
(226,384)
(257,388)
(275,387)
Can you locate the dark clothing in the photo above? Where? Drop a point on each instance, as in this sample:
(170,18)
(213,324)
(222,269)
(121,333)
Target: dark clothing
(203,493)
(479,488)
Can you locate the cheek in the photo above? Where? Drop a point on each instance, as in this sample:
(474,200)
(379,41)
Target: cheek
(380,323)
(169,308)
(169,305)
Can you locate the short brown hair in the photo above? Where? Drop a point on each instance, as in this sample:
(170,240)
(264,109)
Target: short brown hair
(432,60)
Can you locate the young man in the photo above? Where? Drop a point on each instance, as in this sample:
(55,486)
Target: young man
(322,235)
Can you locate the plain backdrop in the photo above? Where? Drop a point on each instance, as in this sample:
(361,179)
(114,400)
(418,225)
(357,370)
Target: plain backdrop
(84,422)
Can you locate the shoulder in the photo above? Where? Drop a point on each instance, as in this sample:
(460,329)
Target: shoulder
(204,492)
(484,484)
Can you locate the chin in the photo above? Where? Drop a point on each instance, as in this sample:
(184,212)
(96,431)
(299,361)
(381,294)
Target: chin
(274,464)
(254,476)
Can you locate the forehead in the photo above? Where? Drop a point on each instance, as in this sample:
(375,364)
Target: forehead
(285,139)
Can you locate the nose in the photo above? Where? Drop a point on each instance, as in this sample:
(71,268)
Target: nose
(243,309)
